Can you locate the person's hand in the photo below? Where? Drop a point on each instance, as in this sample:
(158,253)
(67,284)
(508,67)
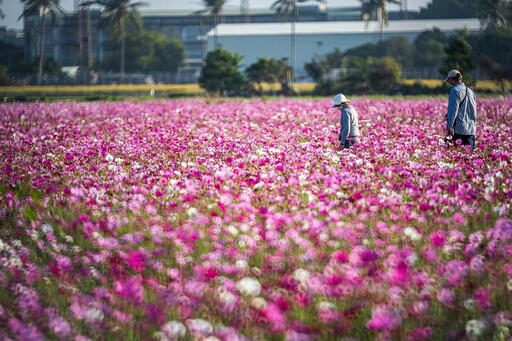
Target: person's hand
(450,132)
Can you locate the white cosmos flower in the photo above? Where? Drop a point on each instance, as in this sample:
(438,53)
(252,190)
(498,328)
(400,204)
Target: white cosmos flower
(258,302)
(412,233)
(509,285)
(324,305)
(94,314)
(160,336)
(242,264)
(199,326)
(47,228)
(469,304)
(192,212)
(226,297)
(212,338)
(174,329)
(474,328)
(301,275)
(249,286)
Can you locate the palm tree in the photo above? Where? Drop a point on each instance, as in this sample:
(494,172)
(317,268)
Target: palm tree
(2,14)
(495,14)
(43,8)
(285,8)
(377,8)
(214,8)
(115,13)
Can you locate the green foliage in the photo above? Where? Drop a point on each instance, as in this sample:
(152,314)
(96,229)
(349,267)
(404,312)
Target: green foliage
(356,76)
(268,70)
(376,9)
(492,50)
(118,13)
(459,56)
(495,14)
(398,48)
(385,74)
(361,73)
(36,7)
(221,73)
(429,48)
(4,77)
(370,75)
(147,51)
(10,54)
(448,9)
(321,68)
(50,66)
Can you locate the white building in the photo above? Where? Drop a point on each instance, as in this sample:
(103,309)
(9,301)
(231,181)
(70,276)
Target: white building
(273,40)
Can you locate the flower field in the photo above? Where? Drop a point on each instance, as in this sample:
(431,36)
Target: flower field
(244,220)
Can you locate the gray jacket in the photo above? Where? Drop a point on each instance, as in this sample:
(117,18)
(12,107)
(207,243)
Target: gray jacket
(349,121)
(461,116)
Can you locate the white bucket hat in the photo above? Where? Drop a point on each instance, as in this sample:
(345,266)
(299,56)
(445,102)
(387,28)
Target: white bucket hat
(338,99)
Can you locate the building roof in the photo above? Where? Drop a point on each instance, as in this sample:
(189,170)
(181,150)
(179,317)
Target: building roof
(344,27)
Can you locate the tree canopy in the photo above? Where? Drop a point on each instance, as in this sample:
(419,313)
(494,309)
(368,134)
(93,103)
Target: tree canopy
(221,73)
(147,51)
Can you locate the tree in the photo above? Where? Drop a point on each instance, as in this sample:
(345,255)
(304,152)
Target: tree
(357,75)
(115,13)
(429,48)
(494,14)
(448,9)
(50,66)
(399,48)
(285,8)
(148,51)
(459,56)
(493,50)
(214,8)
(385,74)
(10,54)
(324,71)
(376,9)
(269,70)
(43,8)
(369,75)
(2,13)
(221,73)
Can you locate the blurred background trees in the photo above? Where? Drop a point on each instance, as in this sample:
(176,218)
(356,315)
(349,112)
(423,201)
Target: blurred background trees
(221,73)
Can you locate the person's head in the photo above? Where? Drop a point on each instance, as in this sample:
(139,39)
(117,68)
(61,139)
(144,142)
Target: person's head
(453,77)
(339,101)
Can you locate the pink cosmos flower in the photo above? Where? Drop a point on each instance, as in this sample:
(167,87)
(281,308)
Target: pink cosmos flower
(130,289)
(60,327)
(421,334)
(25,332)
(384,318)
(483,298)
(455,271)
(446,296)
(137,260)
(477,264)
(438,238)
(275,317)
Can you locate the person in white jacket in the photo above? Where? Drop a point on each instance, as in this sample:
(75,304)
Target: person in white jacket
(349,120)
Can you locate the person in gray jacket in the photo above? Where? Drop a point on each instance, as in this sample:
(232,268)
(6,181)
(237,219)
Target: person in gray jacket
(349,120)
(461,115)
